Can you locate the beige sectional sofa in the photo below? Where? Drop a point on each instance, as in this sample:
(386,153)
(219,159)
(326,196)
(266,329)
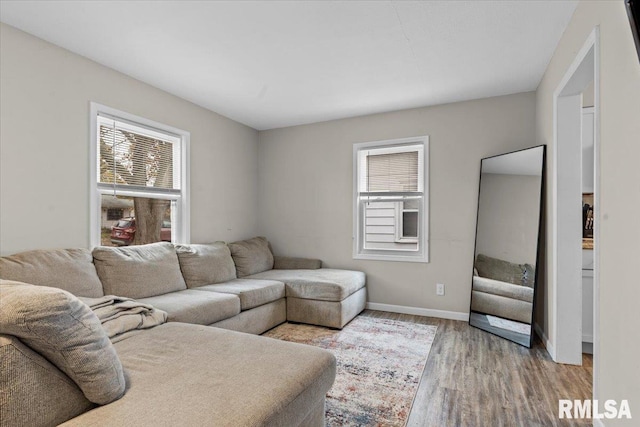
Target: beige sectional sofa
(182,372)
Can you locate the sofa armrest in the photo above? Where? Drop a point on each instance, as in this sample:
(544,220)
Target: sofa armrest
(30,381)
(293,263)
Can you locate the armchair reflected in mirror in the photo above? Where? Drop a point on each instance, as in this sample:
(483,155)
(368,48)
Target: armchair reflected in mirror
(507,246)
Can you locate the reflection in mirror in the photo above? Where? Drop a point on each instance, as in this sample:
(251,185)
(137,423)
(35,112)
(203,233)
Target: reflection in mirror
(507,244)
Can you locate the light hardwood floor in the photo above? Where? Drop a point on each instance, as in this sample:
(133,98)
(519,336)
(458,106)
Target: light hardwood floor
(475,379)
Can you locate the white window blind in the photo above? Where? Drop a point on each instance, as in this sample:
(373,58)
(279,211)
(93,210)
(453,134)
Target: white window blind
(392,172)
(134,158)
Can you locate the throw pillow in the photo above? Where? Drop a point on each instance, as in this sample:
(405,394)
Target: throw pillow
(497,269)
(206,264)
(65,331)
(251,256)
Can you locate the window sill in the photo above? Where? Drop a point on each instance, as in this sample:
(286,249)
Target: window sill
(392,258)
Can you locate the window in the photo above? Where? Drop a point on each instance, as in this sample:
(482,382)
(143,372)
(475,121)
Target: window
(407,221)
(114,214)
(139,170)
(390,200)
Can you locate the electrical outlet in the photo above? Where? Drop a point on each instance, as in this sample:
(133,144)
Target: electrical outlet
(440,289)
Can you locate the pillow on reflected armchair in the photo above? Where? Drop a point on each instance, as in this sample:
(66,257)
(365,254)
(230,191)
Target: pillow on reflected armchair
(65,331)
(529,276)
(504,271)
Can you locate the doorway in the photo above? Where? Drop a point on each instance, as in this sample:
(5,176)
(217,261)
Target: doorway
(567,220)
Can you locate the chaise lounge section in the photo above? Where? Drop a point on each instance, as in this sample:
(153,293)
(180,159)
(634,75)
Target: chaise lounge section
(315,295)
(194,375)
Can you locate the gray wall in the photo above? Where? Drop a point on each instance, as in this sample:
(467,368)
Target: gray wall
(508,213)
(617,372)
(44,173)
(306,190)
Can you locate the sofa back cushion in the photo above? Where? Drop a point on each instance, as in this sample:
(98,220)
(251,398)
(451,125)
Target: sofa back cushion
(139,271)
(206,264)
(65,331)
(68,269)
(251,256)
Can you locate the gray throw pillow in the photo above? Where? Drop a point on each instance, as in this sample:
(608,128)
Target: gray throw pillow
(497,269)
(68,269)
(139,271)
(65,331)
(251,256)
(206,264)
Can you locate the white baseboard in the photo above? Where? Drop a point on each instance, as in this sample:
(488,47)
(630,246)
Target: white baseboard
(545,341)
(442,314)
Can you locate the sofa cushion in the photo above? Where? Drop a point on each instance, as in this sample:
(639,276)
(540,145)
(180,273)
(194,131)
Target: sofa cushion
(191,306)
(508,290)
(139,271)
(252,292)
(68,269)
(191,375)
(497,305)
(59,326)
(29,381)
(251,256)
(206,264)
(324,284)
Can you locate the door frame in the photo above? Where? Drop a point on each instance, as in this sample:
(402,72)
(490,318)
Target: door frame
(566,313)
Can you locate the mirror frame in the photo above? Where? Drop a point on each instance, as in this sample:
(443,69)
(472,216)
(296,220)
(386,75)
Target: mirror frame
(539,248)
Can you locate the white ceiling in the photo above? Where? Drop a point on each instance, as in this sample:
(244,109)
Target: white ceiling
(274,64)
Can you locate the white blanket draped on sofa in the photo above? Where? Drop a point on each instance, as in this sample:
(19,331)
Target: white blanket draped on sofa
(119,314)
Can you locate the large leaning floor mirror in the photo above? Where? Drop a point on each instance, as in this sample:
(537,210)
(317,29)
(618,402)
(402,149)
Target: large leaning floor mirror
(508,244)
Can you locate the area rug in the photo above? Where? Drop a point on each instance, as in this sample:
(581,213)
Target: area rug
(379,365)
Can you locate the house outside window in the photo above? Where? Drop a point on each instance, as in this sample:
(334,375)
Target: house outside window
(139,172)
(391,200)
(114,214)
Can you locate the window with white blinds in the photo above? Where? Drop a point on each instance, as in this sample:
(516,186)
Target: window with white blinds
(390,200)
(136,158)
(141,164)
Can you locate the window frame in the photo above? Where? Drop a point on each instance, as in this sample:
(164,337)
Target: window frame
(359,225)
(182,212)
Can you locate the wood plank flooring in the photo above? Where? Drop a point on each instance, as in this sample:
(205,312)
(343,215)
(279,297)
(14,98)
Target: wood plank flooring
(475,379)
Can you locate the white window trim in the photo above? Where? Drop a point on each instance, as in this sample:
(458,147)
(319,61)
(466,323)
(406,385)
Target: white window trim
(423,253)
(182,214)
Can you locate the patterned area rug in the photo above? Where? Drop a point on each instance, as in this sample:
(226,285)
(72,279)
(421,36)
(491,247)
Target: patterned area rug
(379,365)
